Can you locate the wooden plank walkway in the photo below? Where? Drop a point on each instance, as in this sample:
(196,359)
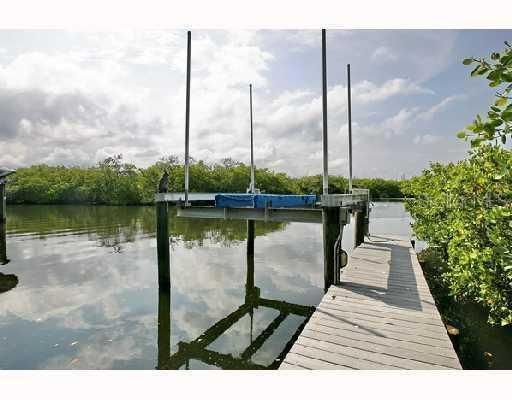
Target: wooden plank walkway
(382,316)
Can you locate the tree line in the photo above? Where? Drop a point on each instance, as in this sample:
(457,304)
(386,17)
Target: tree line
(115,182)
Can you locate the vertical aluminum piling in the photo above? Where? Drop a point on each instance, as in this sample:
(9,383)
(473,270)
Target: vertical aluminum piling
(187,119)
(325,184)
(253,180)
(349,94)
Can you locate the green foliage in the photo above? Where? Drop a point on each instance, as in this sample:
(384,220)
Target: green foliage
(379,188)
(114,182)
(498,71)
(464,210)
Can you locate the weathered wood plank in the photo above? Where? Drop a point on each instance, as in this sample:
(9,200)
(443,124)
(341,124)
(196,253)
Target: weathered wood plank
(381,316)
(335,358)
(431,348)
(396,351)
(368,356)
(382,332)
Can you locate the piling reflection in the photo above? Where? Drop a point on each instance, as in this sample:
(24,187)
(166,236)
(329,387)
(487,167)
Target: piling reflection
(84,305)
(7,281)
(198,349)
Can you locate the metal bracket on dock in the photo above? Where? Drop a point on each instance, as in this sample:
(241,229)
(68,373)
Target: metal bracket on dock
(344,200)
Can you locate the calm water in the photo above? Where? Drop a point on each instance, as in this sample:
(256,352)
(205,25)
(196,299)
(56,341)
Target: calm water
(81,288)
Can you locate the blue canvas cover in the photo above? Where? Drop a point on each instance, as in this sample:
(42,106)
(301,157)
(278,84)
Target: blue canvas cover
(234,200)
(284,200)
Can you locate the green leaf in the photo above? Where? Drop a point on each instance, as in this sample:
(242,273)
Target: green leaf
(461,135)
(501,101)
(507,115)
(475,71)
(476,142)
(467,61)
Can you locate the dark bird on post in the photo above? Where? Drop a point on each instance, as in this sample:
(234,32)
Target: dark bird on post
(163,185)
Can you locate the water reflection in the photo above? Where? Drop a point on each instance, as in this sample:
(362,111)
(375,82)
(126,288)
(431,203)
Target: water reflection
(7,281)
(198,349)
(80,304)
(88,295)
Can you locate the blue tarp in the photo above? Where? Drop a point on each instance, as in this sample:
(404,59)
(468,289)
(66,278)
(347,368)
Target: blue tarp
(234,200)
(284,200)
(260,200)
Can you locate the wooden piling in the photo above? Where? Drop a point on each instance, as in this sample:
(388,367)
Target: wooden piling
(3,206)
(162,245)
(250,288)
(361,226)
(3,244)
(250,237)
(366,223)
(331,230)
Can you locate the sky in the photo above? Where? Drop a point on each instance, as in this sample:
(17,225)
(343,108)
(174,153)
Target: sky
(77,97)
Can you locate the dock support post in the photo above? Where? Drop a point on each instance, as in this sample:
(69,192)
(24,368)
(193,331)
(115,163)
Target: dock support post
(3,206)
(3,244)
(164,284)
(250,237)
(162,245)
(250,288)
(361,226)
(331,230)
(366,223)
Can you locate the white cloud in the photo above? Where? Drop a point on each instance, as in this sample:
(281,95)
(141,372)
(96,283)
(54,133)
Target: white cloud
(128,97)
(383,54)
(426,139)
(369,92)
(439,107)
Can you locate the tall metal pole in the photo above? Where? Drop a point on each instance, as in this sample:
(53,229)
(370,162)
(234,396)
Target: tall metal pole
(349,130)
(324,114)
(253,180)
(187,120)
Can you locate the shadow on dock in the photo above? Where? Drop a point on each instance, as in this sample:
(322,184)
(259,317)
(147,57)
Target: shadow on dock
(400,289)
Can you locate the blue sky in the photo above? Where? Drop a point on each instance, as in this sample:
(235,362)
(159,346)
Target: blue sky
(73,98)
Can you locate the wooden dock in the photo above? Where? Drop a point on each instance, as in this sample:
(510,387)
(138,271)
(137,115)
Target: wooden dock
(382,316)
